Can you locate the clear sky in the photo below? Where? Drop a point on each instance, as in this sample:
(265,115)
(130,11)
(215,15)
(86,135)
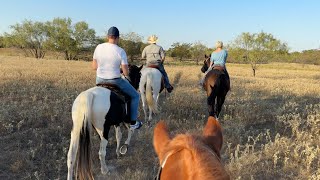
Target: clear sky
(294,22)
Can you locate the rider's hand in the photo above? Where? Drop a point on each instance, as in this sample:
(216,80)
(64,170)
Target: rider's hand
(128,78)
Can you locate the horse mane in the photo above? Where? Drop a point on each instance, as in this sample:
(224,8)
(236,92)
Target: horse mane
(206,163)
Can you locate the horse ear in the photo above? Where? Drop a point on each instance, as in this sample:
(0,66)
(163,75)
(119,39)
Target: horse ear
(212,134)
(205,56)
(140,67)
(160,138)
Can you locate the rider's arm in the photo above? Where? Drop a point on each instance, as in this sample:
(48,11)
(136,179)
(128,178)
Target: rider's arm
(125,69)
(124,63)
(94,64)
(162,54)
(211,60)
(144,54)
(211,63)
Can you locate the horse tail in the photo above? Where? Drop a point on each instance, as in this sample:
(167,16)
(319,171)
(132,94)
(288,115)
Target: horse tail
(83,131)
(151,103)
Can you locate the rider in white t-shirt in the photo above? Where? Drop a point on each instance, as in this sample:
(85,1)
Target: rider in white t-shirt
(107,59)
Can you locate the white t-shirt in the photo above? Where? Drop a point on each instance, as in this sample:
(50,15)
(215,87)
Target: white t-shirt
(109,57)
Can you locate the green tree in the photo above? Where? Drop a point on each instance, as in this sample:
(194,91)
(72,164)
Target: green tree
(2,43)
(70,39)
(198,50)
(258,48)
(132,43)
(311,56)
(30,36)
(180,50)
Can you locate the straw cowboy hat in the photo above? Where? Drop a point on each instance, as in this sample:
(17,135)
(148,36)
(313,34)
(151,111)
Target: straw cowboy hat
(153,39)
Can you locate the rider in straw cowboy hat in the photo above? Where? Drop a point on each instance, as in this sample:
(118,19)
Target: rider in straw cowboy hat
(155,55)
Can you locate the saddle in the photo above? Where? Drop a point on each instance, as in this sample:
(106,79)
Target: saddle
(220,68)
(116,90)
(153,66)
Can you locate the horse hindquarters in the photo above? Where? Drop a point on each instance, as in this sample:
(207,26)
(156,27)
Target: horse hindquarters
(80,137)
(148,90)
(150,93)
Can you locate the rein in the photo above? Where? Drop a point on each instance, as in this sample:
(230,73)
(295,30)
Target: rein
(164,163)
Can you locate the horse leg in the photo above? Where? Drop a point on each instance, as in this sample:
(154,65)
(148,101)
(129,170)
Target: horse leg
(118,137)
(150,115)
(211,111)
(124,148)
(144,102)
(74,144)
(211,106)
(157,98)
(102,151)
(220,102)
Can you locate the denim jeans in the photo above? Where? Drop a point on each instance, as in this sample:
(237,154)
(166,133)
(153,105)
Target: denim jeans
(165,76)
(129,90)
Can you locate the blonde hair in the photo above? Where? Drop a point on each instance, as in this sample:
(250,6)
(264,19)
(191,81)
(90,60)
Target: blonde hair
(219,44)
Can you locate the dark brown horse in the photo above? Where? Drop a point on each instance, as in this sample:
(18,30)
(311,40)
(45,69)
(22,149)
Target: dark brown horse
(217,85)
(188,156)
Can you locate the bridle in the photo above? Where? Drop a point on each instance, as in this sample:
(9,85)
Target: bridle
(170,153)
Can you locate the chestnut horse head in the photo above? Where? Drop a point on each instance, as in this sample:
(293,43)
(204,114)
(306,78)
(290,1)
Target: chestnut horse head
(189,156)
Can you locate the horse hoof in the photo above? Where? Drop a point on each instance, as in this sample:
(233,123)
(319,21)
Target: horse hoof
(107,170)
(124,149)
(104,171)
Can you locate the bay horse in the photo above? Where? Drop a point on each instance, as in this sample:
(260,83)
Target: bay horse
(151,84)
(190,157)
(100,108)
(216,86)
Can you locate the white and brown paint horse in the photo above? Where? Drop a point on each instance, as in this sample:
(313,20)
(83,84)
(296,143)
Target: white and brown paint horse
(150,87)
(100,108)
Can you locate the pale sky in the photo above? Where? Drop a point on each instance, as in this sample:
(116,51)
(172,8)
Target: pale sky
(294,22)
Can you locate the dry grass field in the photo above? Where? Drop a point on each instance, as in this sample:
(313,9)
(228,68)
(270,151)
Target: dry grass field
(271,122)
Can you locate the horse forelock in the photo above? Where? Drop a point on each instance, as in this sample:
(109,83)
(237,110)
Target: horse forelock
(204,163)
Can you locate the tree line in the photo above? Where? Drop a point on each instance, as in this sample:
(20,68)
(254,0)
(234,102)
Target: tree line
(77,41)
(74,40)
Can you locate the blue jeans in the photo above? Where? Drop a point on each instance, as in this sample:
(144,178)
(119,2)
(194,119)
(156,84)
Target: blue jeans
(129,90)
(165,76)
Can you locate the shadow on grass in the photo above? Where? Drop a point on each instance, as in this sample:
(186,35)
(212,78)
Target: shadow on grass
(177,78)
